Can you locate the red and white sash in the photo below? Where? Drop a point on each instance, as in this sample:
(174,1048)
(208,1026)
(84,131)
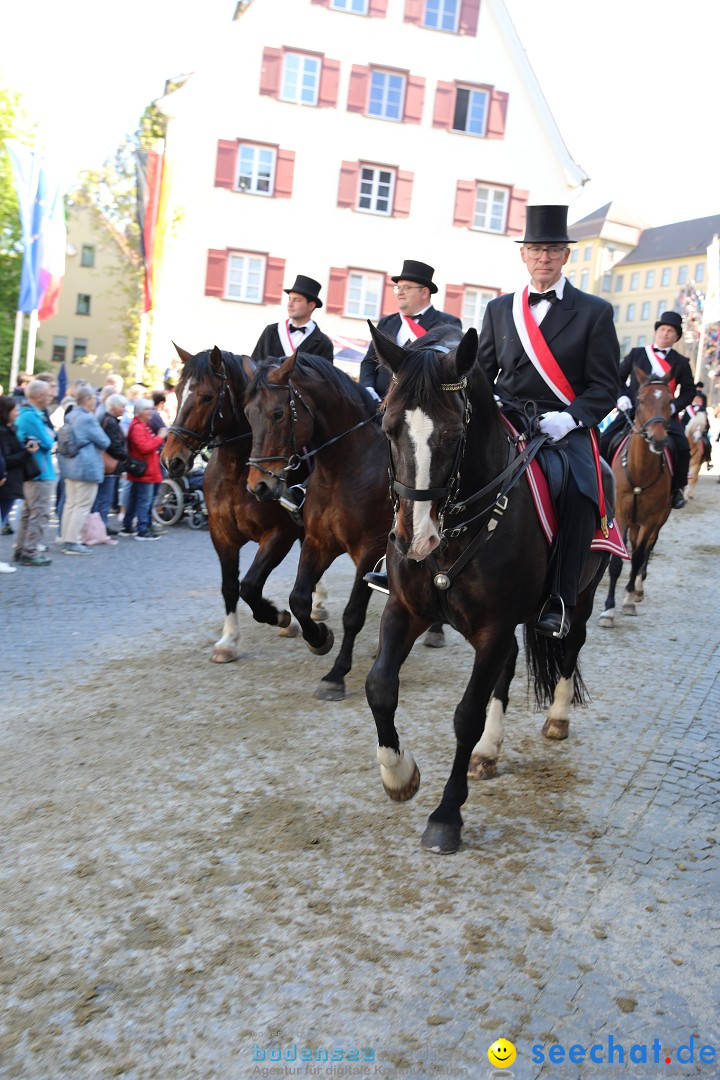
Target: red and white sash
(659,365)
(284,335)
(411,328)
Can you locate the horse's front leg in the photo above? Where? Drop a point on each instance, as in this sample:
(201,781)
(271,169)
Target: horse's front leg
(313,563)
(332,685)
(483,760)
(444,828)
(227,647)
(607,617)
(273,548)
(399,774)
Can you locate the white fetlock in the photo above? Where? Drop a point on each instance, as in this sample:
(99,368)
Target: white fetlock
(491,740)
(560,708)
(396,767)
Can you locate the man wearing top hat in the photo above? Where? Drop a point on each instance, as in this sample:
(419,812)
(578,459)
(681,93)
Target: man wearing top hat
(415,315)
(299,331)
(657,360)
(552,352)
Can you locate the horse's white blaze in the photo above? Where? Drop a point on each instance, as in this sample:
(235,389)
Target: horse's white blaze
(396,768)
(230,632)
(560,708)
(658,394)
(425,536)
(185,393)
(492,737)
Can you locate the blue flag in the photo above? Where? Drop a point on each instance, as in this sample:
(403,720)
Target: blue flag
(62,382)
(30,184)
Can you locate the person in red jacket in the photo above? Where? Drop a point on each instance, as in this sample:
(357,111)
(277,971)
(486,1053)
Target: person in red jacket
(143,445)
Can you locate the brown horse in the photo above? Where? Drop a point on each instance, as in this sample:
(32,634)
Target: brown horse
(210,415)
(304,411)
(643,484)
(696,431)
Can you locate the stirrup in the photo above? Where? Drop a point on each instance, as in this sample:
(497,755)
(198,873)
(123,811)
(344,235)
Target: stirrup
(377,578)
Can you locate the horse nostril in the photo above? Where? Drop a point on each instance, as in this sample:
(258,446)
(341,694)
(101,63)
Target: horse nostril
(392,536)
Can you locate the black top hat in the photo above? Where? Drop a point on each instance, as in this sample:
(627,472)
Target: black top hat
(546,225)
(671,318)
(307,287)
(419,272)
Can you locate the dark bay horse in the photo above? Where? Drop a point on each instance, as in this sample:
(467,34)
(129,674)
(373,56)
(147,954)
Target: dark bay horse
(304,410)
(643,483)
(210,396)
(465,547)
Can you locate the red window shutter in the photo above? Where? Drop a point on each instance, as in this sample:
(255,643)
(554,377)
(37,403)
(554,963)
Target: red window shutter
(358,89)
(454,296)
(464,202)
(271,72)
(414,11)
(403,193)
(348,186)
(444,105)
(516,211)
(377,9)
(274,276)
(469,11)
(323,3)
(337,287)
(215,277)
(225,164)
(497,114)
(284,172)
(329,80)
(389,300)
(414,99)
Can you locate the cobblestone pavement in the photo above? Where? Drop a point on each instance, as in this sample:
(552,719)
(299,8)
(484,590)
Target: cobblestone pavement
(198,864)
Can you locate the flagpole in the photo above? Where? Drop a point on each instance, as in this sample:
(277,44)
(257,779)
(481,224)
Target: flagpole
(140,355)
(17,341)
(31,342)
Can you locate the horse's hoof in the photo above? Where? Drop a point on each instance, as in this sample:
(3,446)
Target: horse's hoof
(223,655)
(639,597)
(440,838)
(481,768)
(629,609)
(291,630)
(434,639)
(319,613)
(320,650)
(330,691)
(607,619)
(404,794)
(284,619)
(556,729)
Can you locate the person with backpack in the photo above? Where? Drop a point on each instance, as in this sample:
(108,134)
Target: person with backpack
(80,441)
(31,428)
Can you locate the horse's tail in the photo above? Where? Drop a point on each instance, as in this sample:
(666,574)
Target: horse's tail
(546,665)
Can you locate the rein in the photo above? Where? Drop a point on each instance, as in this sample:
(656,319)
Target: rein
(209,441)
(642,432)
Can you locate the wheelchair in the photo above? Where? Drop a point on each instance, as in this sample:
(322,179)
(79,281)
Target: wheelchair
(181,498)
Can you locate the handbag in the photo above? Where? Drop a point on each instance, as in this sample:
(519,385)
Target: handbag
(31,467)
(111,465)
(136,467)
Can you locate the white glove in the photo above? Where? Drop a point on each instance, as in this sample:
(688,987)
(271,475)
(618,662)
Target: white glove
(697,436)
(373,393)
(557,424)
(624,403)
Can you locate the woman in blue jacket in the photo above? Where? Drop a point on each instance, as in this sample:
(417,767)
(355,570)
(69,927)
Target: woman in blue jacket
(83,472)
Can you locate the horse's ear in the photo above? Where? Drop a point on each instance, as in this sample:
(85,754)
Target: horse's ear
(668,378)
(216,357)
(184,356)
(467,351)
(640,375)
(279,375)
(249,366)
(392,354)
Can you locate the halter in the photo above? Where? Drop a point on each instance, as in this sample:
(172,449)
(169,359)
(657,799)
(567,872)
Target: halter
(209,441)
(644,430)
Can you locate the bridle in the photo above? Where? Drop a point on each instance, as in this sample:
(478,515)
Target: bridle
(643,430)
(210,441)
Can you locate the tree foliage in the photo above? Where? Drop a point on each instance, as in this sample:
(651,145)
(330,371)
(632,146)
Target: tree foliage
(14,123)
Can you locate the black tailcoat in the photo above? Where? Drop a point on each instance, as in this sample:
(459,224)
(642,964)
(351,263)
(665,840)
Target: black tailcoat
(269,344)
(372,373)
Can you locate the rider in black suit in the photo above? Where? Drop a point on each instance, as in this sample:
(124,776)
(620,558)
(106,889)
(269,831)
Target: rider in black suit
(301,331)
(578,329)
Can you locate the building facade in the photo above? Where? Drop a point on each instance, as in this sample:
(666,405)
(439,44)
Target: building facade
(336,143)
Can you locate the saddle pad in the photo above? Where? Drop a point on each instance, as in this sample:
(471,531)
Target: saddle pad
(547,517)
(623,443)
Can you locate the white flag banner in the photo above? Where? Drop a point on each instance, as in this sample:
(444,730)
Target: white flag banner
(711,306)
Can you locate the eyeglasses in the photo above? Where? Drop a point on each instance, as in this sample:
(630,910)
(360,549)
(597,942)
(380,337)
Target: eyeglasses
(400,289)
(553,251)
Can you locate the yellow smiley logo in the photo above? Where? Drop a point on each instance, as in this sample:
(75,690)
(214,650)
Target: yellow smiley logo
(501,1053)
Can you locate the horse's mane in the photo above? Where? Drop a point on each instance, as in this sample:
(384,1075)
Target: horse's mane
(200,366)
(423,371)
(319,372)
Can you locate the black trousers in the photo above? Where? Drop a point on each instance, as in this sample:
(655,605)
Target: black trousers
(577,521)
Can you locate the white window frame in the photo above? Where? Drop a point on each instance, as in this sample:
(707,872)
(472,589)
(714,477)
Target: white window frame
(354,7)
(441,11)
(472,104)
(665,276)
(642,340)
(662,306)
(376,189)
(645,311)
(306,67)
(254,175)
(630,313)
(616,312)
(619,282)
(483,220)
(245,277)
(80,348)
(650,279)
(59,342)
(364,295)
(634,280)
(587,254)
(682,277)
(379,73)
(474,303)
(87,255)
(700,273)
(83,304)
(625,346)
(584,279)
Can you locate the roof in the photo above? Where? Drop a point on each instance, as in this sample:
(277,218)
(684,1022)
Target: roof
(682,239)
(605,221)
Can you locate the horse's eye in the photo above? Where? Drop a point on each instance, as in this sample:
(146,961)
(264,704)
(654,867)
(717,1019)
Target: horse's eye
(278,414)
(205,399)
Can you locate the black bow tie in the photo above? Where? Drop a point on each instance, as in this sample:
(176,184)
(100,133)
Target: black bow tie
(536,297)
(663,351)
(299,329)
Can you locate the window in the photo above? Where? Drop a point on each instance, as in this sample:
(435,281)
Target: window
(635,279)
(587,255)
(662,306)
(641,340)
(700,272)
(630,312)
(245,278)
(682,275)
(490,208)
(645,311)
(300,78)
(82,306)
(584,279)
(256,169)
(606,281)
(619,282)
(665,279)
(625,345)
(59,350)
(387,95)
(616,312)
(358,7)
(471,110)
(87,255)
(80,348)
(574,253)
(650,279)
(474,304)
(364,295)
(442,15)
(376,190)
(571,277)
